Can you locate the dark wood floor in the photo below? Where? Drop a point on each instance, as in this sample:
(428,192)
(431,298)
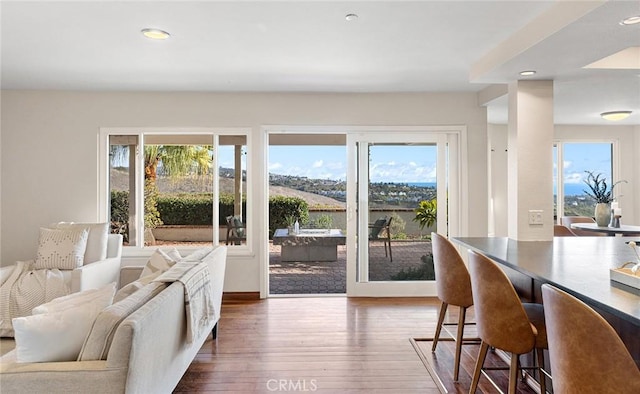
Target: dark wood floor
(440,363)
(327,345)
(324,345)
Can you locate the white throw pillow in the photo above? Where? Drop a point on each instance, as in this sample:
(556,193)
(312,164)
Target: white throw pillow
(56,336)
(96,242)
(61,249)
(160,261)
(100,298)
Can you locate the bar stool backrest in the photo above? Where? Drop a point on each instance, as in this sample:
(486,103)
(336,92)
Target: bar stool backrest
(453,283)
(500,317)
(585,352)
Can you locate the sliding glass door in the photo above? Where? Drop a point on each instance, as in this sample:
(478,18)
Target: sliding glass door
(402,186)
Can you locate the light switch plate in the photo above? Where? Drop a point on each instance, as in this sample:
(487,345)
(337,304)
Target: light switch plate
(535,216)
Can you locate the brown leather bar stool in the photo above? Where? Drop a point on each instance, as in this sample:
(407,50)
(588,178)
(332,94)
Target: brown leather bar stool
(503,321)
(454,288)
(585,352)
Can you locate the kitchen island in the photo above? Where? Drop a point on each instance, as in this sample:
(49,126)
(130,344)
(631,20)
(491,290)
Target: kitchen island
(577,265)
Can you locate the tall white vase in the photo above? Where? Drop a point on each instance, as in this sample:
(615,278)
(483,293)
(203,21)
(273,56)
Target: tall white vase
(603,214)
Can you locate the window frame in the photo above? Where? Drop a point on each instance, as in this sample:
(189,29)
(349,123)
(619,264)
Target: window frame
(140,132)
(559,157)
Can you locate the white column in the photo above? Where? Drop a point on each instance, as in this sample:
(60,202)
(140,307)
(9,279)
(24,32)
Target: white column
(530,160)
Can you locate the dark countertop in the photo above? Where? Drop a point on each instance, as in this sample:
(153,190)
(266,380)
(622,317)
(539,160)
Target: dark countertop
(578,265)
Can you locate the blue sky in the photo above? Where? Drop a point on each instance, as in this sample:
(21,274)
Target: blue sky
(581,157)
(410,163)
(417,163)
(388,163)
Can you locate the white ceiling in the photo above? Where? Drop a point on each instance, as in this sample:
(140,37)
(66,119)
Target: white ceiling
(303,46)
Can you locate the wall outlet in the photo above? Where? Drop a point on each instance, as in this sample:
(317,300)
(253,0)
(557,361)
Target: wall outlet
(535,216)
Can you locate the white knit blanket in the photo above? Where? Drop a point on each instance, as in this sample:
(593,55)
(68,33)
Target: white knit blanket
(198,295)
(25,289)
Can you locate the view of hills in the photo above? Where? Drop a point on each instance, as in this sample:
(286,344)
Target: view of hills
(317,192)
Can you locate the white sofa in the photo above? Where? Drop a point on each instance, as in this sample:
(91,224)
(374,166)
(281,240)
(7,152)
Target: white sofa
(92,274)
(148,352)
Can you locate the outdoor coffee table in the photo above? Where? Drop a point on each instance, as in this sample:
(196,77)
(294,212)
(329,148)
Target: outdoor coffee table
(309,244)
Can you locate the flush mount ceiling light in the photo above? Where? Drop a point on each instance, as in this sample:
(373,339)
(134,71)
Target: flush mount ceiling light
(615,115)
(632,20)
(155,34)
(527,73)
(351,17)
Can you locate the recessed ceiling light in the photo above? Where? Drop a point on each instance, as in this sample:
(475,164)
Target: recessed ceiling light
(527,73)
(615,115)
(632,20)
(155,34)
(351,17)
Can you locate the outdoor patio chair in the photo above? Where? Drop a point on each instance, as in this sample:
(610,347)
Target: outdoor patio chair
(381,231)
(236,230)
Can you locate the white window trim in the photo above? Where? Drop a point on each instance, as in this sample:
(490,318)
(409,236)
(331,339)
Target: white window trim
(615,165)
(462,223)
(215,132)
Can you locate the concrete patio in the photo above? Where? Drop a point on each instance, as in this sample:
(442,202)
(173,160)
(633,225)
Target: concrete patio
(330,277)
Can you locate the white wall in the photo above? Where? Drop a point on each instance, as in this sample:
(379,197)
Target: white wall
(635,168)
(498,191)
(628,138)
(50,140)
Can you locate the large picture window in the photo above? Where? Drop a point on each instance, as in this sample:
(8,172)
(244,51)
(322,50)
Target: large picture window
(169,188)
(572,161)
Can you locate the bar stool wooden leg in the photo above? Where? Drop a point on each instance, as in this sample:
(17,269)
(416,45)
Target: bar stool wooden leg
(459,336)
(513,373)
(479,363)
(541,375)
(443,311)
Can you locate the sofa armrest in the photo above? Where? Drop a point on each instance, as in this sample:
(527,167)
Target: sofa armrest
(95,275)
(114,245)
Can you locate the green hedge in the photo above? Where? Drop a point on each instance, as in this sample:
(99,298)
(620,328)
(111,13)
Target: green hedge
(182,209)
(281,207)
(197,209)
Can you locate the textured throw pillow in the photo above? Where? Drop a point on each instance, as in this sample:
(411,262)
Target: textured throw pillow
(160,261)
(56,336)
(100,298)
(61,249)
(96,242)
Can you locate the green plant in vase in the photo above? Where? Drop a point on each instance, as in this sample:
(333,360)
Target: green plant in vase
(290,221)
(603,194)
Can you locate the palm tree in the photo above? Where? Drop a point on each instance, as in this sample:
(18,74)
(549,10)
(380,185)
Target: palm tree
(168,160)
(176,160)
